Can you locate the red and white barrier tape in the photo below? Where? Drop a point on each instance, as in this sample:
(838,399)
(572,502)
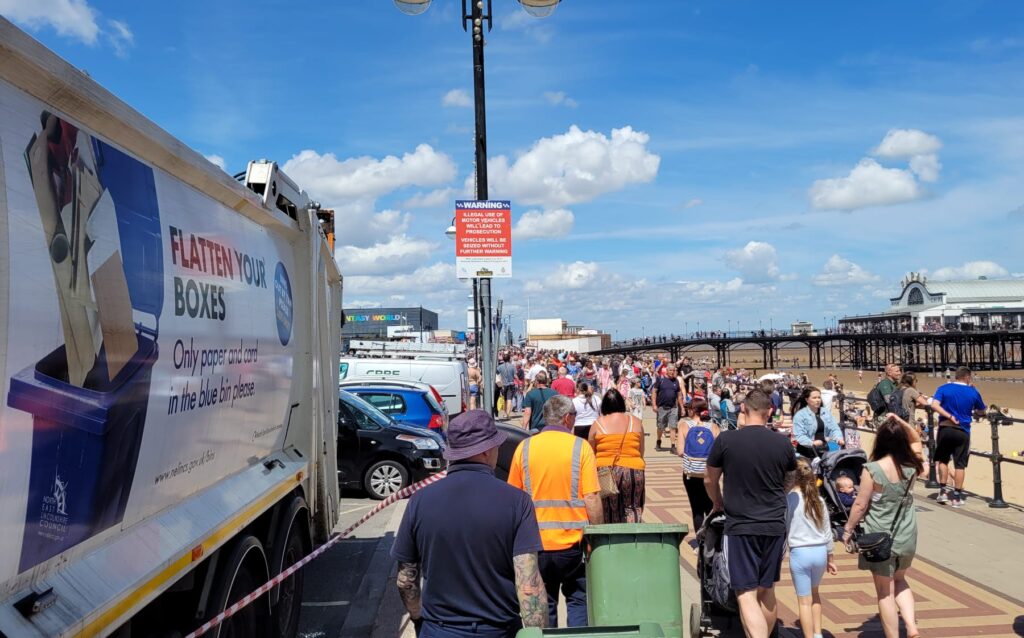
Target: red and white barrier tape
(277,580)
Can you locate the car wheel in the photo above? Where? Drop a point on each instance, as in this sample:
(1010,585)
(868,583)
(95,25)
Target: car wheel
(385,478)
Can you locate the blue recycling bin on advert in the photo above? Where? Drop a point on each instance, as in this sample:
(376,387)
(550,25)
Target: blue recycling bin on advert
(86,440)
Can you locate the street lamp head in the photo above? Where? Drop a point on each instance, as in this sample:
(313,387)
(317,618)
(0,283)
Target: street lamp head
(539,8)
(412,7)
(450,232)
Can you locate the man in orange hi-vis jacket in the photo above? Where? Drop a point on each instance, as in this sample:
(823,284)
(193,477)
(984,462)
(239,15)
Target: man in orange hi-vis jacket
(559,472)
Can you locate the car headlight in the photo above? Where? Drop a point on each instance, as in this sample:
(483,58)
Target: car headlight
(421,443)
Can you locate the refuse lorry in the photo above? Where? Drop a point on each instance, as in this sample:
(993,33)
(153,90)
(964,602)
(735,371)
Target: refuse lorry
(169,343)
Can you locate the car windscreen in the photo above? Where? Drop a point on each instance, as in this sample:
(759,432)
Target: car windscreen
(373,413)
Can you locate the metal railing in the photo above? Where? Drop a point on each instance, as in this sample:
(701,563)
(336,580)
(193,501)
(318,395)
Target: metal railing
(995,417)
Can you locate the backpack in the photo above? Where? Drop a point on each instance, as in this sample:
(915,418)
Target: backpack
(895,405)
(877,401)
(696,449)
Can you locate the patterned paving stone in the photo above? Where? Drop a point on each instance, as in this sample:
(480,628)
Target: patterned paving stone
(949,605)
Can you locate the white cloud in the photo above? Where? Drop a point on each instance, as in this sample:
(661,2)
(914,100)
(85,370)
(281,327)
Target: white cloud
(573,167)
(868,184)
(559,98)
(361,303)
(871,184)
(970,270)
(758,262)
(539,30)
(327,178)
(399,253)
(120,37)
(535,224)
(693,203)
(712,290)
(576,275)
(432,199)
(906,143)
(457,98)
(358,224)
(839,271)
(217,161)
(436,277)
(926,167)
(69,18)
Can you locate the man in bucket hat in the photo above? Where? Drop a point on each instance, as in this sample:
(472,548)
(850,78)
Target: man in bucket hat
(474,540)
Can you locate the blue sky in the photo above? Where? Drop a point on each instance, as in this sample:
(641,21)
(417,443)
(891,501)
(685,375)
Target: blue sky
(668,162)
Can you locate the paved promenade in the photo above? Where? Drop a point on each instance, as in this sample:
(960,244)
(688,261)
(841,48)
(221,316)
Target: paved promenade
(966,579)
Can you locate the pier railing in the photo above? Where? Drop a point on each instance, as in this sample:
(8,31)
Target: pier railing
(995,416)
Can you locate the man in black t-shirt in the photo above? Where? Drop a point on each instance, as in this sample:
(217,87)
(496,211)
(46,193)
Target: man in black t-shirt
(669,402)
(758,467)
(684,371)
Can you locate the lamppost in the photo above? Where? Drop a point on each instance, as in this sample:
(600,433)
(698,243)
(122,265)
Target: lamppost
(476,16)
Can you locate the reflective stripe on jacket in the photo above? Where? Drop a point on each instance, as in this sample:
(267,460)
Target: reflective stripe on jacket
(561,510)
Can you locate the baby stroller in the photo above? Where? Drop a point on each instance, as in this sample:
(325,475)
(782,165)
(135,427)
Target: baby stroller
(829,468)
(716,594)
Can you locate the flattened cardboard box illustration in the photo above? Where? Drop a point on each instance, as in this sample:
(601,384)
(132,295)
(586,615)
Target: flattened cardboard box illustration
(88,398)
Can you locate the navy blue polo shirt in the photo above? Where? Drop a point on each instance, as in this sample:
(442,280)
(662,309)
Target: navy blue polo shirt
(464,531)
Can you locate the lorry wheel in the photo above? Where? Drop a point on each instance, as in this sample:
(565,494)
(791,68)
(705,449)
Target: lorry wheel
(242,572)
(294,544)
(384,478)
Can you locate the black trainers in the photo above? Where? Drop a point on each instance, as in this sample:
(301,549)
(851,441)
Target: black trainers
(657,446)
(672,449)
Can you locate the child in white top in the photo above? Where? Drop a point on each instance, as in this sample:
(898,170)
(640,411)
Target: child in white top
(810,546)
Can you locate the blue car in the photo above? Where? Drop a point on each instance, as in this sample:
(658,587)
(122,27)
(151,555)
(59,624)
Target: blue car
(410,403)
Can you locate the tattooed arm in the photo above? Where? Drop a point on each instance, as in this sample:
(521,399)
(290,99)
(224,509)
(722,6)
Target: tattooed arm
(409,587)
(533,598)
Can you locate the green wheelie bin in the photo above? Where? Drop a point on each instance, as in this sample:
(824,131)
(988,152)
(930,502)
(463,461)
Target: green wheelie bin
(643,630)
(633,575)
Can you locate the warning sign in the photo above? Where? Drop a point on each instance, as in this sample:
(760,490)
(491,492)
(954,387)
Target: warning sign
(483,238)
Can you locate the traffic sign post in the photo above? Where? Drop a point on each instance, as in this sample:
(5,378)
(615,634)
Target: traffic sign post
(483,238)
(483,249)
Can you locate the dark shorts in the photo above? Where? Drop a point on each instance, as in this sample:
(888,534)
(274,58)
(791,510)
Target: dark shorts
(953,443)
(755,561)
(509,391)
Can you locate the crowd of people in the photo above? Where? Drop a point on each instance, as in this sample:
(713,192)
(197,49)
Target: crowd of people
(584,464)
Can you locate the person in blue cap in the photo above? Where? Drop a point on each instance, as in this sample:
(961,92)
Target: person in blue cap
(473,539)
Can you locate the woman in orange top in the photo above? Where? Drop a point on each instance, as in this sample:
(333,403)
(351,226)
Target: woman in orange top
(618,441)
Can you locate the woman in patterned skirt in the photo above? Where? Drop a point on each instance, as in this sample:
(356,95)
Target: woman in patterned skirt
(618,441)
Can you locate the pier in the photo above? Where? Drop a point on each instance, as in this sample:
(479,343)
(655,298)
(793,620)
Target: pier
(917,351)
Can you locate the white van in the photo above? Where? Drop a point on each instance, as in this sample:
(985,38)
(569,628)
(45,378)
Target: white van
(449,377)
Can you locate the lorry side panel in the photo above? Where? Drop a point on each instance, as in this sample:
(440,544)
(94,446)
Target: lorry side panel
(149,349)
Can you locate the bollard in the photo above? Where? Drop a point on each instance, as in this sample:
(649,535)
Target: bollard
(933,481)
(997,502)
